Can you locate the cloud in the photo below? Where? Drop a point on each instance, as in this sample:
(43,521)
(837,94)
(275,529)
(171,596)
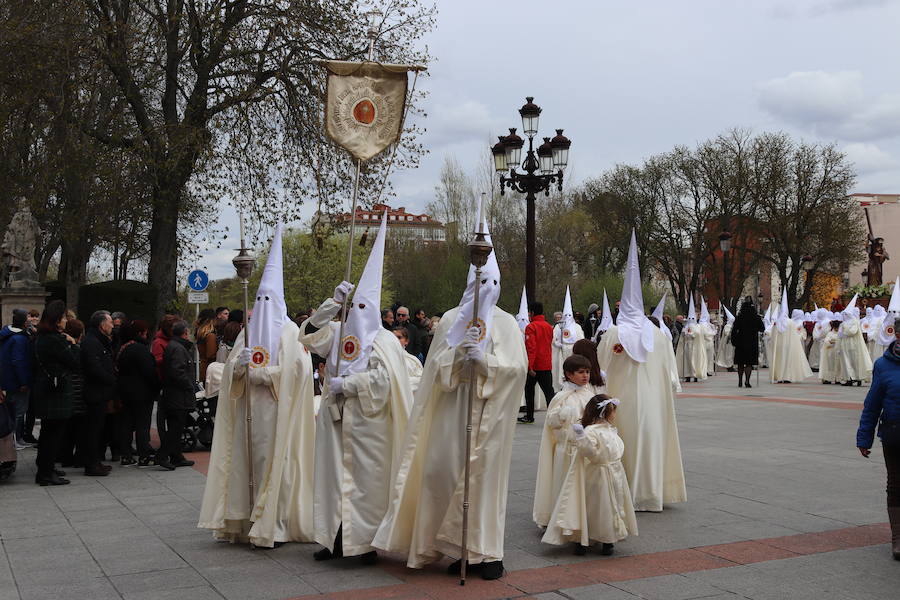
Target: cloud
(459,122)
(832,105)
(826,7)
(869,158)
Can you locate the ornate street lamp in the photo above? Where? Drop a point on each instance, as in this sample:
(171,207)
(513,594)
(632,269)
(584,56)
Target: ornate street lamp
(807,262)
(551,159)
(725,247)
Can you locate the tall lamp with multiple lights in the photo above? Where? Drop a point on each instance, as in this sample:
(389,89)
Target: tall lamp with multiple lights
(550,160)
(725,247)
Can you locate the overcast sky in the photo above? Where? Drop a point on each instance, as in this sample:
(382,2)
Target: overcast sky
(628,80)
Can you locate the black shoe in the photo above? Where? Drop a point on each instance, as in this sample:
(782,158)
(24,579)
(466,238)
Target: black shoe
(580,550)
(606,549)
(127,461)
(847,383)
(748,385)
(53,479)
(96,471)
(525,420)
(146,461)
(740,383)
(183,462)
(326,554)
(369,558)
(492,570)
(826,382)
(454,568)
(59,473)
(165,465)
(859,383)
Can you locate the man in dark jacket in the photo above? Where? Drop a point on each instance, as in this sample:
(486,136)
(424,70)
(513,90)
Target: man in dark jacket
(98,371)
(178,396)
(15,369)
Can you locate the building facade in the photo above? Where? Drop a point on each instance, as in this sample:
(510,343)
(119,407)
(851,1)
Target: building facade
(884,222)
(401,225)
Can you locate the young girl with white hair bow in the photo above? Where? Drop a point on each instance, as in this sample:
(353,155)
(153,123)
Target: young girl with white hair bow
(594,504)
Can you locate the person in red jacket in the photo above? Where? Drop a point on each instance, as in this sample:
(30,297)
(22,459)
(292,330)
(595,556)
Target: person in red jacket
(538,334)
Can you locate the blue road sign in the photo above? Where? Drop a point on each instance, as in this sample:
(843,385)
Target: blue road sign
(198,280)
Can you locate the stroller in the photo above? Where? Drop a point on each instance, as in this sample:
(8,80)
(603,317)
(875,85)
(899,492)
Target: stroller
(200,422)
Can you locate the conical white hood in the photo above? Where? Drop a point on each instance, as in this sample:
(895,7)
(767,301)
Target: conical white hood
(522,316)
(489,293)
(887,333)
(728,315)
(658,313)
(568,324)
(851,312)
(635,329)
(364,314)
(269,309)
(692,312)
(783,317)
(704,311)
(606,316)
(894,305)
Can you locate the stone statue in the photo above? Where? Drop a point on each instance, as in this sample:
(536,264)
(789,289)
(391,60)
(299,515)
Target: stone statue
(877,256)
(18,246)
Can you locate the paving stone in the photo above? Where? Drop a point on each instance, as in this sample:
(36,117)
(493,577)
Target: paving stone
(194,593)
(599,591)
(170,579)
(667,587)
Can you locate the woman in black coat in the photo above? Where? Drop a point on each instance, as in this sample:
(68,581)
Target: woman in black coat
(55,357)
(138,389)
(745,339)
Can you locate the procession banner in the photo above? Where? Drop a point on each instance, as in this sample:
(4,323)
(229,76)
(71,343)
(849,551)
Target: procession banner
(364,105)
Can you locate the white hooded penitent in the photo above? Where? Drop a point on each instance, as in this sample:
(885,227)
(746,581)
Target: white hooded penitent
(658,313)
(704,311)
(567,331)
(635,329)
(489,293)
(887,333)
(364,315)
(606,315)
(522,316)
(728,315)
(692,311)
(783,317)
(269,310)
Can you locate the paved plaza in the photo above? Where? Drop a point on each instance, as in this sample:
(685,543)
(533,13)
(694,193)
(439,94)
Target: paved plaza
(780,506)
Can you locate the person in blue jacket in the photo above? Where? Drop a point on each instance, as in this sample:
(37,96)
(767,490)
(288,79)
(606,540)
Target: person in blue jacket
(15,369)
(882,407)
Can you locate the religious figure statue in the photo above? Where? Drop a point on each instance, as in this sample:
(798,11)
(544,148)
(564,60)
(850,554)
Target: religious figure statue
(877,256)
(18,246)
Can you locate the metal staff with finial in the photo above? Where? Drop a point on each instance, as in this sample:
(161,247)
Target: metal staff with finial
(243,265)
(479,250)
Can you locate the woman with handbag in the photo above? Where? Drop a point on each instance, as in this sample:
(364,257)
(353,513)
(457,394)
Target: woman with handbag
(55,356)
(882,407)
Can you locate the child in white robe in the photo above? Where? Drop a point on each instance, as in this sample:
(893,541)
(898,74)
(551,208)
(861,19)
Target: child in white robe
(558,440)
(830,370)
(594,504)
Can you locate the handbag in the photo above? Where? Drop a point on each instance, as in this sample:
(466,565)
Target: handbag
(889,432)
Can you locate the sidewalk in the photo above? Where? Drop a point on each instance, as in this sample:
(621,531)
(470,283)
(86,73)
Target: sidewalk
(780,505)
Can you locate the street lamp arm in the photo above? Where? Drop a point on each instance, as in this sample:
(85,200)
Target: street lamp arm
(525,183)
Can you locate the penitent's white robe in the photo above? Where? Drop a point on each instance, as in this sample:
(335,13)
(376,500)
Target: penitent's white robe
(855,358)
(560,352)
(413,371)
(691,354)
(357,457)
(725,352)
(557,446)
(424,520)
(788,359)
(594,504)
(875,349)
(830,367)
(820,330)
(646,419)
(709,342)
(283,445)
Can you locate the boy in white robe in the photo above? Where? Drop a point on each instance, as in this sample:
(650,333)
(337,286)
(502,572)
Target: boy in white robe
(709,337)
(557,439)
(275,376)
(789,362)
(594,504)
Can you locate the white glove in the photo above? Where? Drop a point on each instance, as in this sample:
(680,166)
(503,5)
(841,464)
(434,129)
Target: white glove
(336,386)
(245,356)
(475,353)
(342,291)
(578,428)
(472,337)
